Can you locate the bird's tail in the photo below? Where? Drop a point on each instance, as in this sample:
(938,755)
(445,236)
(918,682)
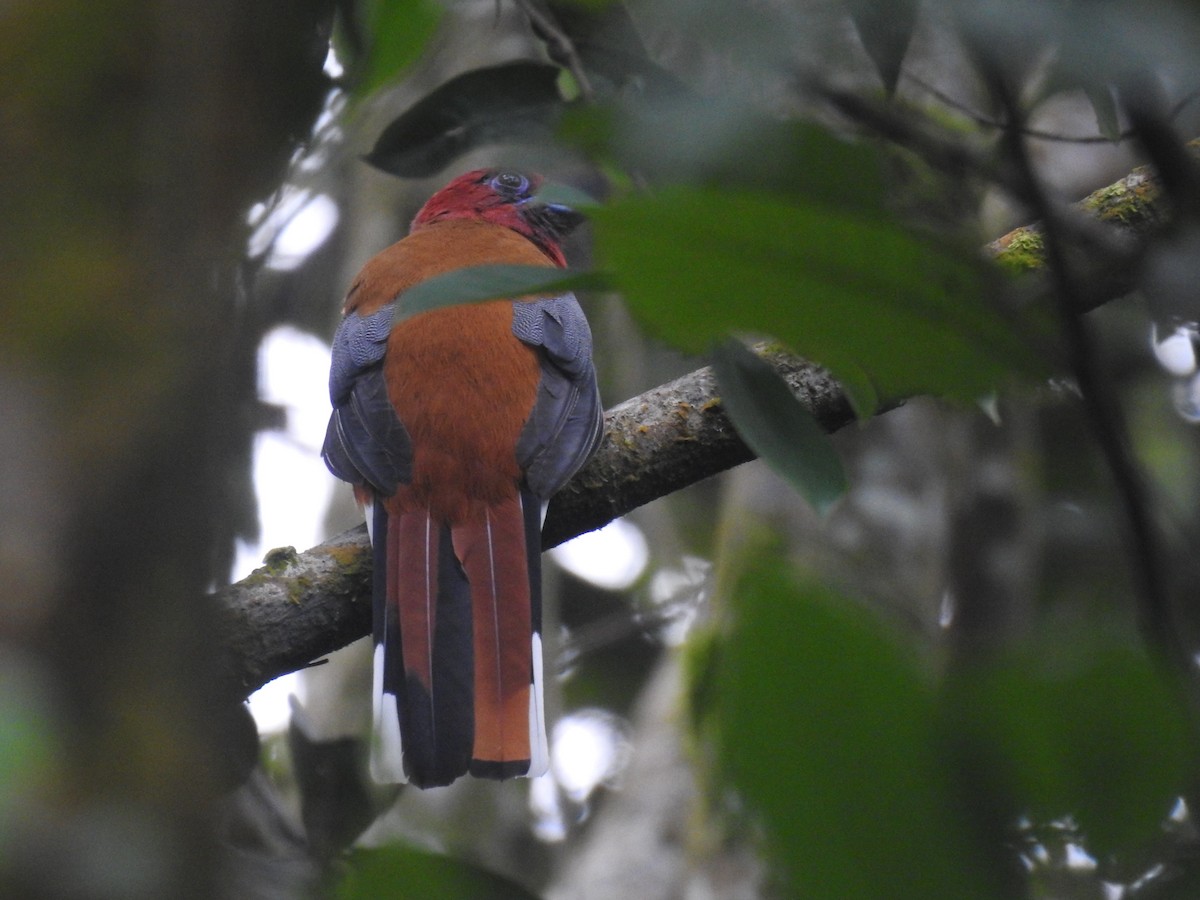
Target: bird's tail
(458,661)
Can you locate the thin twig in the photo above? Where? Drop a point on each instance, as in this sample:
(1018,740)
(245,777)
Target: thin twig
(988,122)
(884,121)
(562,44)
(1103,412)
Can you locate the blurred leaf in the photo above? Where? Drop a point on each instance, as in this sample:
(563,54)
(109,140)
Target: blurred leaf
(608,44)
(776,427)
(27,750)
(825,725)
(331,779)
(398,34)
(1079,724)
(565,194)
(858,293)
(478,283)
(702,668)
(415,875)
(885,26)
(514,101)
(681,138)
(568,85)
(1169,275)
(1091,42)
(1105,107)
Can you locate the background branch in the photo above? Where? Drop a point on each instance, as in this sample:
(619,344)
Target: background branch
(1103,412)
(1112,219)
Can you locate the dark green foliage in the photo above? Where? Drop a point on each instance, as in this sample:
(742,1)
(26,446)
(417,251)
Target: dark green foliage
(1077,723)
(753,183)
(873,767)
(416,875)
(890,313)
(681,138)
(510,102)
(398,33)
(827,725)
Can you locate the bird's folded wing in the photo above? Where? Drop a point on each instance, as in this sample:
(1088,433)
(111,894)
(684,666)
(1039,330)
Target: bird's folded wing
(365,443)
(567,421)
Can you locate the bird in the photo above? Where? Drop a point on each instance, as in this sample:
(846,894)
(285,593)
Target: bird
(455,426)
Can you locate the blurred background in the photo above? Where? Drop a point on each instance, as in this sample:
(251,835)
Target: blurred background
(974,676)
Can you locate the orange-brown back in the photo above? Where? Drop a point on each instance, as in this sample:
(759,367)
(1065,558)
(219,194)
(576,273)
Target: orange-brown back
(461,382)
(434,250)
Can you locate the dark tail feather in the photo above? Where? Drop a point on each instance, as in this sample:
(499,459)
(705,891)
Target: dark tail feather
(458,655)
(426,654)
(500,556)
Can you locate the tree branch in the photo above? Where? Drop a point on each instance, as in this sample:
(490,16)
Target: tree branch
(295,609)
(673,436)
(1111,222)
(300,606)
(303,605)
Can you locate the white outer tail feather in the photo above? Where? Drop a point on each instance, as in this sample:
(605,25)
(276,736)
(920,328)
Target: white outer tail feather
(539,747)
(387,759)
(539,751)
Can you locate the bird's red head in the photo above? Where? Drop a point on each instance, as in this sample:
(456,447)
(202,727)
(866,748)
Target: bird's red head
(505,198)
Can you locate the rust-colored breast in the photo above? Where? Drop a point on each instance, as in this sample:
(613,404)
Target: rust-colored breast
(461,383)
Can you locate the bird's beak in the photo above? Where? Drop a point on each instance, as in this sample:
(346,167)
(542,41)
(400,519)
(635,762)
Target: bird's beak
(557,218)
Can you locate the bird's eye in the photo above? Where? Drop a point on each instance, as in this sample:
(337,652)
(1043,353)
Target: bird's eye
(510,183)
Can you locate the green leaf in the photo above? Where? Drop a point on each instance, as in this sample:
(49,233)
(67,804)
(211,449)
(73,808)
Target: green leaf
(1077,723)
(415,875)
(398,34)
(477,283)
(854,291)
(683,138)
(514,101)
(825,726)
(773,423)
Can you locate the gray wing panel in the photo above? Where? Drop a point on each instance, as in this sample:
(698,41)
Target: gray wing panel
(567,421)
(365,441)
(358,344)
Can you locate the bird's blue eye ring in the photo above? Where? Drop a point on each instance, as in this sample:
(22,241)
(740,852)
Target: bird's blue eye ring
(510,183)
